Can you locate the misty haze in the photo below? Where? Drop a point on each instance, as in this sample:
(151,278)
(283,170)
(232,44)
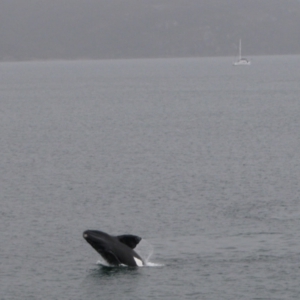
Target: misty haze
(93,29)
(142,118)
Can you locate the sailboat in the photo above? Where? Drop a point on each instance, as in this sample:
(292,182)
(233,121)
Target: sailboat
(241,61)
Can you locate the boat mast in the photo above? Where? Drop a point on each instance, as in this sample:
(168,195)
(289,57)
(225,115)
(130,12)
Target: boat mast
(240,50)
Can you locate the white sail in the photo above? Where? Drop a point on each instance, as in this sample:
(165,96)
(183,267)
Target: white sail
(241,61)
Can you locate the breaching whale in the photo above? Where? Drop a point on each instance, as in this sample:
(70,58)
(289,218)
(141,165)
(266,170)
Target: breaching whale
(116,250)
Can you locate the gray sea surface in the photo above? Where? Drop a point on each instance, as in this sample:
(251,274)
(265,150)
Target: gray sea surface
(199,158)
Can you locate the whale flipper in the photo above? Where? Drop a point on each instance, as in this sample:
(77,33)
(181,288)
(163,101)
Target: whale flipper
(111,258)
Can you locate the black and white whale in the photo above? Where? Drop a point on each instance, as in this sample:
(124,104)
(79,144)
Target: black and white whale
(116,250)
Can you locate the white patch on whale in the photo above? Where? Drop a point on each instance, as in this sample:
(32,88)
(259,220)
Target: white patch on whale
(138,262)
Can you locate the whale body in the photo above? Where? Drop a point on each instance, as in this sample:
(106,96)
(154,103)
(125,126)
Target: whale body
(116,250)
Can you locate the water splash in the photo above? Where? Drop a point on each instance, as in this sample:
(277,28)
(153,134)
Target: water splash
(152,264)
(145,250)
(103,263)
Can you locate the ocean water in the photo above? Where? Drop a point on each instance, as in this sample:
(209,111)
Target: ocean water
(199,158)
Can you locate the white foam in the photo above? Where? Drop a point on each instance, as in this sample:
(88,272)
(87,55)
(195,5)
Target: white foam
(103,263)
(152,264)
(139,263)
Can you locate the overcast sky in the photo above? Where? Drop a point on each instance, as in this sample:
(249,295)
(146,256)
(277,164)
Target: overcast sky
(97,29)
